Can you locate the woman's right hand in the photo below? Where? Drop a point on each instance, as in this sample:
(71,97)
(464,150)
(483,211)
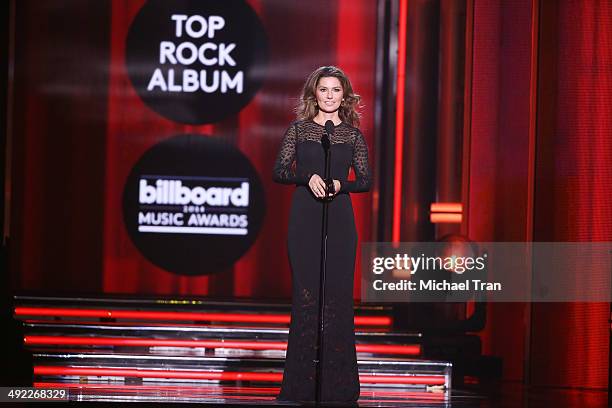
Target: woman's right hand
(317,186)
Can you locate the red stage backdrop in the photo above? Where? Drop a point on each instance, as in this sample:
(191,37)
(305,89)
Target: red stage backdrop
(87,124)
(570,341)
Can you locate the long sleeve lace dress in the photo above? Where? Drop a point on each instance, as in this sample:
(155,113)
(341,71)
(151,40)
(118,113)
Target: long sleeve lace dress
(301,155)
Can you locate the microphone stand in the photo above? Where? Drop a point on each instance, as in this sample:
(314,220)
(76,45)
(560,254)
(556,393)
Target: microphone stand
(325,141)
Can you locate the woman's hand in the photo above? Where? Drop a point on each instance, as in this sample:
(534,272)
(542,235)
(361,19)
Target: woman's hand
(317,186)
(336,187)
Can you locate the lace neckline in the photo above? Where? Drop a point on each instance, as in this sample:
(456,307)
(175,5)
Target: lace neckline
(338,125)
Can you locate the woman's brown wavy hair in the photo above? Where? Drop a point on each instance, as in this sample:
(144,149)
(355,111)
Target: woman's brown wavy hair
(307,107)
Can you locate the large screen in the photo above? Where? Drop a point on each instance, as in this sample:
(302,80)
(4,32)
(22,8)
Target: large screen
(145,133)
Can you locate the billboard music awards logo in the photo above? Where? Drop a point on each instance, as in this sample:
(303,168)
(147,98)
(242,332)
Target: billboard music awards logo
(196,62)
(193,204)
(171,205)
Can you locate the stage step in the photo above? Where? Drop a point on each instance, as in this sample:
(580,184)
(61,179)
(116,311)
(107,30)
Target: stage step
(169,329)
(217,395)
(174,316)
(119,359)
(173,309)
(89,341)
(422,374)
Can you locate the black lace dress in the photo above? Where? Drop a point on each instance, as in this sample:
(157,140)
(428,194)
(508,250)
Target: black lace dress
(300,156)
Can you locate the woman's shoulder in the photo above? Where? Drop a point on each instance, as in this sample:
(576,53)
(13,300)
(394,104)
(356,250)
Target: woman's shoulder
(293,126)
(305,125)
(352,128)
(303,122)
(300,128)
(354,131)
(297,122)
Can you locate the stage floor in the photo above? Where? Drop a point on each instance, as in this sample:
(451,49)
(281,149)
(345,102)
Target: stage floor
(506,395)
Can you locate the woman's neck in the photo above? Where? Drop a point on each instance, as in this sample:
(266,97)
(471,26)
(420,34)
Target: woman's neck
(322,117)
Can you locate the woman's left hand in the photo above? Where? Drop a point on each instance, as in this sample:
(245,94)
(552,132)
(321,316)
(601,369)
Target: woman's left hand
(336,189)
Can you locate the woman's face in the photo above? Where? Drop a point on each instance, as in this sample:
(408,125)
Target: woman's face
(329,94)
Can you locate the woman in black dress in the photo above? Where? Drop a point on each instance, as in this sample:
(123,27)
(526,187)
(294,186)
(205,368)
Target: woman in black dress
(327,95)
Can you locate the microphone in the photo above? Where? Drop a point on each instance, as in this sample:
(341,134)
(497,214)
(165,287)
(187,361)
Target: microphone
(326,142)
(329,130)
